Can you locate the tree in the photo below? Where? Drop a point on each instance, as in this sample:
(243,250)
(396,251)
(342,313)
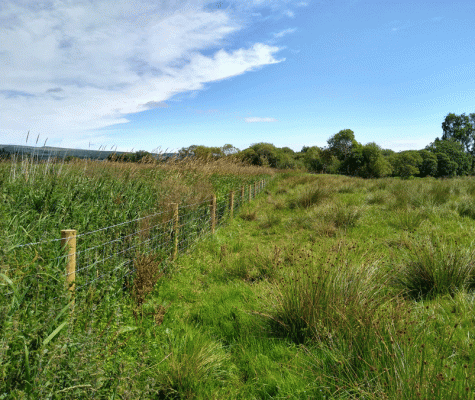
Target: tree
(354,163)
(406,163)
(229,149)
(312,159)
(455,152)
(201,152)
(445,166)
(330,163)
(375,165)
(460,128)
(250,156)
(429,164)
(341,143)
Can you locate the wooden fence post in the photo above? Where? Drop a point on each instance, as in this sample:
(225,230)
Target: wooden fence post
(250,193)
(175,229)
(212,207)
(68,244)
(242,195)
(231,204)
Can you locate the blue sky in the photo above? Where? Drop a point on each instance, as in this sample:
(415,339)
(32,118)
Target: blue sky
(149,75)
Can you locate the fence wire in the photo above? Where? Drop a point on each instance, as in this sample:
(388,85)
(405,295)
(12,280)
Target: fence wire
(111,261)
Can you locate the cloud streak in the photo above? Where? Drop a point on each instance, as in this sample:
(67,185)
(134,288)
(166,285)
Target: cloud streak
(72,67)
(258,119)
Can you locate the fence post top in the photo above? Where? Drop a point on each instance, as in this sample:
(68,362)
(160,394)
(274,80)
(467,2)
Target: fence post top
(68,231)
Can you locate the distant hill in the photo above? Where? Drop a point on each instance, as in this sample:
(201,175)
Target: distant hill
(46,152)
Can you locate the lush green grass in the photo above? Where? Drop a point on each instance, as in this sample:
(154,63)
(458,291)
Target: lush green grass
(327,287)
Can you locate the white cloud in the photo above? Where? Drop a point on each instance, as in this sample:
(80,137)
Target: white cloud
(284,32)
(258,119)
(76,66)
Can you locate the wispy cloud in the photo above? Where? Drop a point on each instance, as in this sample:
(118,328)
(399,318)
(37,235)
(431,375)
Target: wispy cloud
(284,32)
(258,119)
(77,66)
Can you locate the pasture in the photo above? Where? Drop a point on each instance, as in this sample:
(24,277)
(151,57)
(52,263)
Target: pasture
(324,287)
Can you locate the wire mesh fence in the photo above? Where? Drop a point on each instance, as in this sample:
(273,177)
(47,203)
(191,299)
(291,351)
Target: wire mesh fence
(103,258)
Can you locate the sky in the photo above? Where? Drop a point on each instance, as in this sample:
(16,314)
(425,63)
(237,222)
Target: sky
(161,75)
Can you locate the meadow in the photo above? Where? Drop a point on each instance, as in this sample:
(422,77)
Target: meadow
(323,287)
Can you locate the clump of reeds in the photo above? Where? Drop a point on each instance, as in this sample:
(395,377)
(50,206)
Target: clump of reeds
(310,197)
(466,208)
(192,361)
(321,301)
(435,268)
(408,219)
(342,215)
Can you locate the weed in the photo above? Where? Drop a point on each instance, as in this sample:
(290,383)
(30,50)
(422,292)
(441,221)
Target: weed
(147,272)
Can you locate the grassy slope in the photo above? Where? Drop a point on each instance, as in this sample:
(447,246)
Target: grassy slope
(306,294)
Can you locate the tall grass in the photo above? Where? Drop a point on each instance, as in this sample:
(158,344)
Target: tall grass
(42,341)
(434,268)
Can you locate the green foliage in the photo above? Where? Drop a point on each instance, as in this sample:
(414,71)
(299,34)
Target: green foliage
(460,128)
(205,153)
(374,164)
(312,159)
(267,154)
(341,143)
(406,163)
(451,158)
(330,163)
(428,166)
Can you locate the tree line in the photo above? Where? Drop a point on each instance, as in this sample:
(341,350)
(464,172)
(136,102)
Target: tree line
(451,155)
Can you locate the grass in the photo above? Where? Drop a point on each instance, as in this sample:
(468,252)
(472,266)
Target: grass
(325,287)
(436,268)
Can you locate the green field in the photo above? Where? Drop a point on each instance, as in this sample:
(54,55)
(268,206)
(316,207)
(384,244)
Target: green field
(323,287)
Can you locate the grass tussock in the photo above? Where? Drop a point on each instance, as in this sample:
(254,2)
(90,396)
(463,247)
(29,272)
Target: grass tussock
(193,361)
(342,216)
(248,215)
(327,301)
(436,268)
(310,197)
(408,220)
(466,208)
